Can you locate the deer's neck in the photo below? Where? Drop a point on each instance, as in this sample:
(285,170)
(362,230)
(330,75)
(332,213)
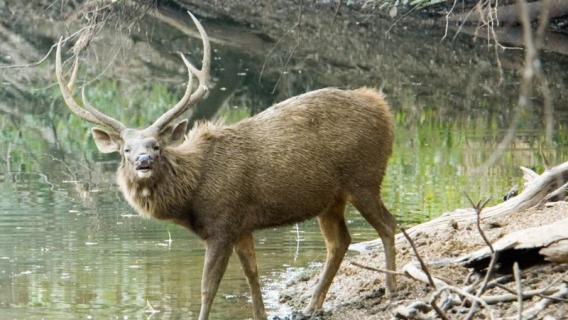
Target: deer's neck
(167,194)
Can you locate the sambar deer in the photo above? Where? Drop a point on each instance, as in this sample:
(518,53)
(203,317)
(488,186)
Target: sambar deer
(301,158)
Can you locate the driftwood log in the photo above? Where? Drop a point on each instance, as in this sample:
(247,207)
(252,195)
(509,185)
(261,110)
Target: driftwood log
(520,248)
(536,192)
(556,252)
(532,245)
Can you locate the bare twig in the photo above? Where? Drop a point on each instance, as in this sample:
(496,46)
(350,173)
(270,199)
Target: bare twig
(504,287)
(489,273)
(543,293)
(517,274)
(414,270)
(422,264)
(9,157)
(336,11)
(542,304)
(439,311)
(296,27)
(499,280)
(478,207)
(543,23)
(30,65)
(466,295)
(400,19)
(448,19)
(40,61)
(463,23)
(495,299)
(398,273)
(532,69)
(469,277)
(546,94)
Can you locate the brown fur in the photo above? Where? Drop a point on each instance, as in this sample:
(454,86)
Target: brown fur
(301,158)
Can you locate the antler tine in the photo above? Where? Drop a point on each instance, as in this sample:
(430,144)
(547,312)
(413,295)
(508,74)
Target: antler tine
(183,104)
(67,96)
(202,76)
(87,112)
(106,120)
(206,61)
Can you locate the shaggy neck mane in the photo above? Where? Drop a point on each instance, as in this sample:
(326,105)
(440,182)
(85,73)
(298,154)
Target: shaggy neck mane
(168,191)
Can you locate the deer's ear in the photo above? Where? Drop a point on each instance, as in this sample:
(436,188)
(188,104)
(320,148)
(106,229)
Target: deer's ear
(174,133)
(106,142)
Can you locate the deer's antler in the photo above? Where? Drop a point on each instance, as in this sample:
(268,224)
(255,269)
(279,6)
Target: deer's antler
(189,99)
(86,111)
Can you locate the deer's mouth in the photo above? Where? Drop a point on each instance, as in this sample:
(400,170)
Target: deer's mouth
(144,171)
(143,168)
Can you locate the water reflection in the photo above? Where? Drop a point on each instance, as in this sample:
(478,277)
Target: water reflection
(61,260)
(64,257)
(70,247)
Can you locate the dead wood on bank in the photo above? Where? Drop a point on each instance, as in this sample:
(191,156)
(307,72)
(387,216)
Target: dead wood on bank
(515,253)
(537,190)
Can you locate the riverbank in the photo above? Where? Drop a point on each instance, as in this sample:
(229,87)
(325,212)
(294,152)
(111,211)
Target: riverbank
(358,293)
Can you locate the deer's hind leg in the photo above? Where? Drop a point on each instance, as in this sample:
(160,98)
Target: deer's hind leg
(337,240)
(371,207)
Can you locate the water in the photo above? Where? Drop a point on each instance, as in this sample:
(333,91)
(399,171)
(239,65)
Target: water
(70,247)
(68,251)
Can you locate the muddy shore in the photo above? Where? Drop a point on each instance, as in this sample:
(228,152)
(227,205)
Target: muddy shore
(357,293)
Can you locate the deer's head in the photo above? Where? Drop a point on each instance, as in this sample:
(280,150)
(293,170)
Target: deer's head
(141,149)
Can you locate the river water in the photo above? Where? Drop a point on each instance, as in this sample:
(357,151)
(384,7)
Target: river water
(71,248)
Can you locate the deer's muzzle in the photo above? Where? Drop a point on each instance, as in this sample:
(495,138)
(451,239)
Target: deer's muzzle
(144,162)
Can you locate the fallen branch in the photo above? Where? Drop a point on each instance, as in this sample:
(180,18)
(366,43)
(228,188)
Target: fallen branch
(417,310)
(556,252)
(534,192)
(495,299)
(466,295)
(413,271)
(532,312)
(540,238)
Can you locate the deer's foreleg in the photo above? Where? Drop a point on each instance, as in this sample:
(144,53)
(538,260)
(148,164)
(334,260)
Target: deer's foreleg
(217,253)
(245,250)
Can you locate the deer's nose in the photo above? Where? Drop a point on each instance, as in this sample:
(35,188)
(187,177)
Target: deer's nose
(144,160)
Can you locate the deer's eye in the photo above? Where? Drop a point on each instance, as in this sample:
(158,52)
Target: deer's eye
(156,147)
(126,150)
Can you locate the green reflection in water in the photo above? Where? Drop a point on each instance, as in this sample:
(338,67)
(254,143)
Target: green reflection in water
(70,247)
